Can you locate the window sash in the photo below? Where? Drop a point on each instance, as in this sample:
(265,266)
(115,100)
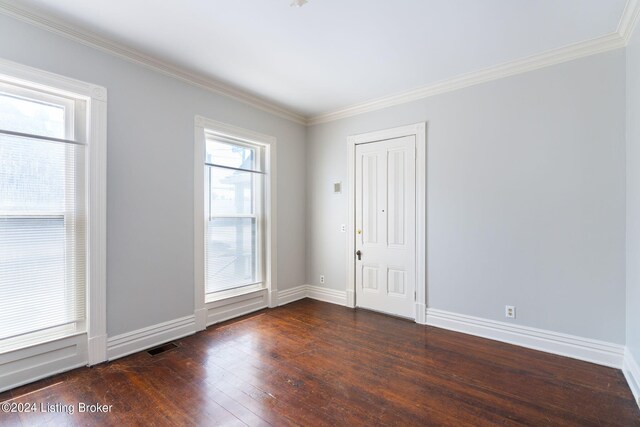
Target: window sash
(259,151)
(257,194)
(73,219)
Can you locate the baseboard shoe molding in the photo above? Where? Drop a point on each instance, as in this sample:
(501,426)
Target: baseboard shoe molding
(631,372)
(594,351)
(142,339)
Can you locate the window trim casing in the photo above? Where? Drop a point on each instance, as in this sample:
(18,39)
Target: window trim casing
(95,189)
(211,311)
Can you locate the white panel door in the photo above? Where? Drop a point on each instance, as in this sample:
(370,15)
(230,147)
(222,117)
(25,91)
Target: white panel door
(386,226)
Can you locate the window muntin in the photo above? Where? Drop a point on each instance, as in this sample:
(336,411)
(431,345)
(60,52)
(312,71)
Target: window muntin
(233,209)
(42,216)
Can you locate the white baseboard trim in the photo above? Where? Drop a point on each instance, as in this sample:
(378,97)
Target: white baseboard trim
(142,339)
(314,292)
(594,351)
(631,372)
(230,308)
(29,364)
(290,295)
(327,295)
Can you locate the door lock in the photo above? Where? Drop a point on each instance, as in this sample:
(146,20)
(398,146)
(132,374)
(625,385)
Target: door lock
(359,255)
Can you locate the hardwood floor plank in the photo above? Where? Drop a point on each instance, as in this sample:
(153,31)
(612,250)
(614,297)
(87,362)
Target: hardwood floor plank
(315,364)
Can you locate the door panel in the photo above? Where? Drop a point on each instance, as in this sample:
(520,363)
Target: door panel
(395,282)
(396,189)
(370,196)
(370,279)
(385,226)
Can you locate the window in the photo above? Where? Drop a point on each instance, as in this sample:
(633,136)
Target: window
(234,189)
(234,233)
(43,220)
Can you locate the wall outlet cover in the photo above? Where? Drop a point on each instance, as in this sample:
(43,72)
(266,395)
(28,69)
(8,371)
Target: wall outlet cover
(510,311)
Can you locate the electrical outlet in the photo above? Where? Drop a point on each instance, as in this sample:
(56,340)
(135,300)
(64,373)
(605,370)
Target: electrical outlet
(343,228)
(510,312)
(322,279)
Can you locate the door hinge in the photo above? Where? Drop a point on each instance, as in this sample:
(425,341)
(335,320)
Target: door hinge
(415,298)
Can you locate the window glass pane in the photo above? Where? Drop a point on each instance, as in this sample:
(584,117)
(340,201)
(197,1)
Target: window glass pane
(230,253)
(231,192)
(32,175)
(25,115)
(33,290)
(231,155)
(42,221)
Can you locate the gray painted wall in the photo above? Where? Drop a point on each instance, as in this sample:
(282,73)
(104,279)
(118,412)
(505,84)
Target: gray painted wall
(633,196)
(526,189)
(525,193)
(150,175)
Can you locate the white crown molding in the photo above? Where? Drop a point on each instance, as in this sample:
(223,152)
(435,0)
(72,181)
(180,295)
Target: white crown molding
(629,20)
(616,40)
(14,9)
(534,62)
(594,351)
(612,41)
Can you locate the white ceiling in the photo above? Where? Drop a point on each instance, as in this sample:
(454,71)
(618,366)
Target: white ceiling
(330,54)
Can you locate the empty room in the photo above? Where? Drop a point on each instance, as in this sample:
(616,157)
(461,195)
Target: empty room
(319,212)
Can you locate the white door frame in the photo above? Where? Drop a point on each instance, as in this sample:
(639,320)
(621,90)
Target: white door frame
(419,130)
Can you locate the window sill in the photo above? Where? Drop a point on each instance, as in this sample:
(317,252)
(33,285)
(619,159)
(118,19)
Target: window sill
(26,343)
(224,295)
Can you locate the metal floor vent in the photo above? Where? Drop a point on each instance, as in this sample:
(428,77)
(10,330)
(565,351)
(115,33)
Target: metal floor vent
(162,348)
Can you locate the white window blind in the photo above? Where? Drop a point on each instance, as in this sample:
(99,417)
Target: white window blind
(233,206)
(42,216)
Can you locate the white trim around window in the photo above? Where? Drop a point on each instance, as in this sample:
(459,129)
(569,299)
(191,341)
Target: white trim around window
(210,309)
(51,355)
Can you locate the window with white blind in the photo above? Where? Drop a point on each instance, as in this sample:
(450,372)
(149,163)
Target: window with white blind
(234,188)
(42,215)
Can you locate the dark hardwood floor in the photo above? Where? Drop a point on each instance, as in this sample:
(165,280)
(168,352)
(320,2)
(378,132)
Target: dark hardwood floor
(316,364)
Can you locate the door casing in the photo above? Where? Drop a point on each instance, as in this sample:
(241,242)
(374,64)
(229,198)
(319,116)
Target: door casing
(419,131)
